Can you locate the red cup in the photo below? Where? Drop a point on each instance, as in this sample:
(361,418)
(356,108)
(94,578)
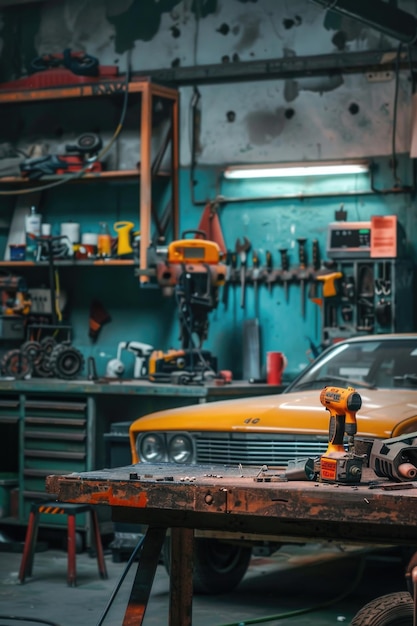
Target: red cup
(275,365)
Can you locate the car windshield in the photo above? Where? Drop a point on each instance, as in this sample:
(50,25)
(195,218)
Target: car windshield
(376,363)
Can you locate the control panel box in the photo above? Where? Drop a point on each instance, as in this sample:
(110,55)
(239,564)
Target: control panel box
(362,240)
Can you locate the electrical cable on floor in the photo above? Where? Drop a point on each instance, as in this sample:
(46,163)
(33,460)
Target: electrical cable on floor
(309,609)
(109,603)
(121,579)
(28,619)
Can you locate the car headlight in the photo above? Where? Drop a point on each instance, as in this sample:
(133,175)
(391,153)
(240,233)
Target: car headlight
(180,449)
(151,448)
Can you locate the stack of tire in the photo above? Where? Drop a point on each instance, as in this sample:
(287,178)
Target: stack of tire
(45,359)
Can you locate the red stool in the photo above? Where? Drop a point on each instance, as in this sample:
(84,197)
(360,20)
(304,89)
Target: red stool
(60,508)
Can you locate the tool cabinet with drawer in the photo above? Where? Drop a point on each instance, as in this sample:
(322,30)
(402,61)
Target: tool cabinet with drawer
(46,434)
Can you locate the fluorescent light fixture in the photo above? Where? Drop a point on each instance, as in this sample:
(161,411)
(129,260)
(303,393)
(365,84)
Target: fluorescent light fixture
(284,170)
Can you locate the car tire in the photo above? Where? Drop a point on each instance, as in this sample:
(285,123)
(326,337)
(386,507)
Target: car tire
(218,566)
(393,609)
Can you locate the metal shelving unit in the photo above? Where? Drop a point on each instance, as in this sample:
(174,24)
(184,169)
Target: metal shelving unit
(149,93)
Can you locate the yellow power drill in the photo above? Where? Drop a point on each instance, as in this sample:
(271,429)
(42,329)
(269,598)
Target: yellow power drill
(338,464)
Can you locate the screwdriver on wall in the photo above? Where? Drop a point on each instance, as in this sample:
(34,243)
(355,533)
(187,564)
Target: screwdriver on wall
(285,266)
(302,270)
(269,268)
(255,277)
(316,255)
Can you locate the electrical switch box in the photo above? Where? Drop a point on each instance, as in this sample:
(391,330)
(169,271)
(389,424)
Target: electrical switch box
(41,301)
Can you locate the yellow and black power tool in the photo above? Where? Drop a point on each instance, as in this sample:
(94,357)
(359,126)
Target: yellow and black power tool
(338,464)
(197,257)
(193,273)
(178,366)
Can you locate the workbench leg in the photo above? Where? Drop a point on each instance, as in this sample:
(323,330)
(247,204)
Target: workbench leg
(145,573)
(181,577)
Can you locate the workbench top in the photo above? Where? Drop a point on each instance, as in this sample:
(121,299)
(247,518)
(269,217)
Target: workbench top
(248,500)
(138,387)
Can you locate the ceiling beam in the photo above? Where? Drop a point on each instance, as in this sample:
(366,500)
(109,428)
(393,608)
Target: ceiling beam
(284,68)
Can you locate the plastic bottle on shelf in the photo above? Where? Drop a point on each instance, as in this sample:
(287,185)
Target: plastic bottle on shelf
(33,231)
(104,241)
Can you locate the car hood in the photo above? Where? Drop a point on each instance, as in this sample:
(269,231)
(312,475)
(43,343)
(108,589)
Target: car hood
(300,412)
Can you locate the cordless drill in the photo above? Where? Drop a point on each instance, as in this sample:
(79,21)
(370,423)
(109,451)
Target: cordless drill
(338,464)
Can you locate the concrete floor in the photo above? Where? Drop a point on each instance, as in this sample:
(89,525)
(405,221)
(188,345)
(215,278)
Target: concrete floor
(294,578)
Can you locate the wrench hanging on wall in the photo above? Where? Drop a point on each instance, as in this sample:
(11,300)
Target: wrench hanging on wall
(242,250)
(302,271)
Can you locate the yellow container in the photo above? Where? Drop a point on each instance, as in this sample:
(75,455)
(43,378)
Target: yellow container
(123,230)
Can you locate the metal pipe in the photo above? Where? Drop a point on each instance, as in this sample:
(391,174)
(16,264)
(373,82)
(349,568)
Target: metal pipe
(379,15)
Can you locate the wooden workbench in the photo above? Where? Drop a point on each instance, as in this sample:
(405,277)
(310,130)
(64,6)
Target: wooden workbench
(246,501)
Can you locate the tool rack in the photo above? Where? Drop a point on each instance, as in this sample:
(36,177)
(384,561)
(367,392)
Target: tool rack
(374,296)
(193,498)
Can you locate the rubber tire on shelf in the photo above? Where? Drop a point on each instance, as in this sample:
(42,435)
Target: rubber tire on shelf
(393,609)
(218,566)
(33,350)
(88,143)
(43,368)
(66,361)
(16,364)
(47,345)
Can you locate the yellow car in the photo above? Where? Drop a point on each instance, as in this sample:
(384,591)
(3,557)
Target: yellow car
(272,430)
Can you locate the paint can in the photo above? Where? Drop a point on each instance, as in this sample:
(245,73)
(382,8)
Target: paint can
(72,231)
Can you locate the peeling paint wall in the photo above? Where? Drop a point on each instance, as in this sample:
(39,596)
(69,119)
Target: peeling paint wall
(314,118)
(352,120)
(321,117)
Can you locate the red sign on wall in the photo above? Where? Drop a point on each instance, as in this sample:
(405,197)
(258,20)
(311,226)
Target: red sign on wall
(384,236)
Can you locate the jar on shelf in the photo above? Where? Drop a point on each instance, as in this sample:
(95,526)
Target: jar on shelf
(104,241)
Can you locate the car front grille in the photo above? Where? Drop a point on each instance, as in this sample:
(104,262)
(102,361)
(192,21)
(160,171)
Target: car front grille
(250,449)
